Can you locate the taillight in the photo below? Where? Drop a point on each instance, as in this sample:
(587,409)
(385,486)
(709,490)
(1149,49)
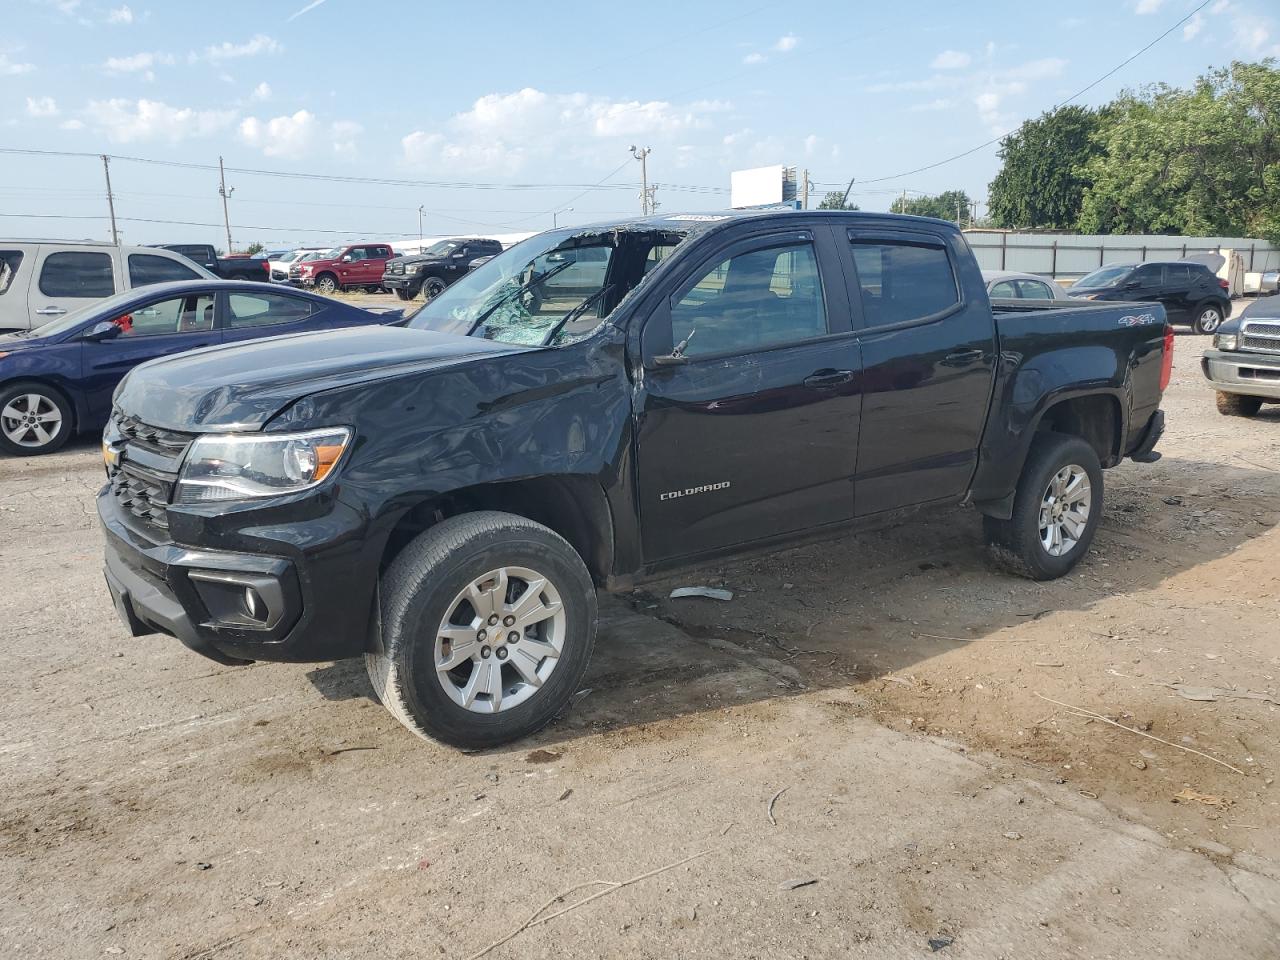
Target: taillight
(1223,284)
(1166,363)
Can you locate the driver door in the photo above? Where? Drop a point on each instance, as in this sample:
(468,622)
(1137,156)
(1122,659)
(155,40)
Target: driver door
(157,329)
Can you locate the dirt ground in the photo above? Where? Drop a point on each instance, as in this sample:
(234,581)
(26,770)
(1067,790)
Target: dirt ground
(880,747)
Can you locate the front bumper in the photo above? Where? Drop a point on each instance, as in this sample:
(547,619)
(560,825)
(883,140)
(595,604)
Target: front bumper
(401,281)
(309,605)
(1250,374)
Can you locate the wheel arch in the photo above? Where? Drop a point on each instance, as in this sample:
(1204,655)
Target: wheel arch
(573,506)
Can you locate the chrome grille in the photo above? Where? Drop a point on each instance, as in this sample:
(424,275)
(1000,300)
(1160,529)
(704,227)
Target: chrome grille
(395,268)
(1260,336)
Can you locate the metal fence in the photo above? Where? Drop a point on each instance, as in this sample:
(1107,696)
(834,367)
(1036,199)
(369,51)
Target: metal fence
(1072,256)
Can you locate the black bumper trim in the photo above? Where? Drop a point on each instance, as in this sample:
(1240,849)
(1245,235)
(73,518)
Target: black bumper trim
(1145,451)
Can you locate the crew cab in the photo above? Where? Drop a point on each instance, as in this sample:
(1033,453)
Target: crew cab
(444,499)
(439,265)
(242,267)
(356,265)
(1244,363)
(41,281)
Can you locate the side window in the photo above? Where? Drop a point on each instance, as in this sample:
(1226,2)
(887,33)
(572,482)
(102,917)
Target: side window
(145,268)
(358,253)
(753,300)
(180,315)
(1034,290)
(77,274)
(903,281)
(1005,290)
(1177,275)
(1148,276)
(10,260)
(264,309)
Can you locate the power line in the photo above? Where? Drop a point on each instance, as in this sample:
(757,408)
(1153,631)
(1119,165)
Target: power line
(1114,70)
(195,223)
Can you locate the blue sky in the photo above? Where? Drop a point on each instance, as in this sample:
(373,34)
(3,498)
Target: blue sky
(545,96)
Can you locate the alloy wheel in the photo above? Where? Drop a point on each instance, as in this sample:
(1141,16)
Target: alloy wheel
(31,420)
(1064,510)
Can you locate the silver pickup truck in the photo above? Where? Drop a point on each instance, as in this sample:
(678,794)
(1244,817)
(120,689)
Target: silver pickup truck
(1244,364)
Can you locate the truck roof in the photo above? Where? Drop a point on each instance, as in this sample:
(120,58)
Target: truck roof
(712,220)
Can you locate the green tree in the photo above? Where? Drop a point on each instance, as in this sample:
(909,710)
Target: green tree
(254,249)
(835,201)
(1042,179)
(1200,161)
(949,205)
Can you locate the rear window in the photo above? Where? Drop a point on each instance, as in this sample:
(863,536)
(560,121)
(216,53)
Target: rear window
(903,281)
(77,274)
(10,260)
(145,268)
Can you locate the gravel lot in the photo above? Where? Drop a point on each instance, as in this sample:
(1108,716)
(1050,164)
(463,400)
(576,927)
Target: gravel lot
(861,753)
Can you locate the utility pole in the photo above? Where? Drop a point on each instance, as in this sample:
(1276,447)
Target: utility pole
(845,202)
(420,227)
(555,216)
(903,208)
(225,193)
(804,189)
(957,211)
(642,156)
(111,201)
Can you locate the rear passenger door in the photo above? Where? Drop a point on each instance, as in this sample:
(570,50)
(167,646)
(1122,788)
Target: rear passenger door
(928,356)
(67,280)
(1176,291)
(754,435)
(15,276)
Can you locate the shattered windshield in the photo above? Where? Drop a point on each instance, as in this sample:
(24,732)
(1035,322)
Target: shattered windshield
(549,290)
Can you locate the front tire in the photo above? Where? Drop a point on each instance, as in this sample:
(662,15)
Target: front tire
(327,283)
(1056,510)
(1236,405)
(34,419)
(432,288)
(1208,318)
(488,621)
(403,294)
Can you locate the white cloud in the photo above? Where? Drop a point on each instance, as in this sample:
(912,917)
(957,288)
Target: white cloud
(121,14)
(10,69)
(1253,34)
(307,9)
(811,144)
(137,63)
(71,124)
(787,43)
(126,121)
(284,136)
(941,103)
(42,107)
(502,131)
(1193,27)
(1221,6)
(1148,6)
(261,92)
(343,134)
(951,60)
(260,43)
(753,58)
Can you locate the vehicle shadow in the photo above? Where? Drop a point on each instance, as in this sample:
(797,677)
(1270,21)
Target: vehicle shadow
(836,614)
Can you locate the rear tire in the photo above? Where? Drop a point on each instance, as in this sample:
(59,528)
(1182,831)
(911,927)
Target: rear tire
(34,419)
(1236,405)
(448,670)
(1060,490)
(1208,318)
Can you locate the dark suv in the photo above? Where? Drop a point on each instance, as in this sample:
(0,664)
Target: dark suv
(436,267)
(1190,292)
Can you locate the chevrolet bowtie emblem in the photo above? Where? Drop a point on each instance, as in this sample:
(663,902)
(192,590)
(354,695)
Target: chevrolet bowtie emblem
(111,456)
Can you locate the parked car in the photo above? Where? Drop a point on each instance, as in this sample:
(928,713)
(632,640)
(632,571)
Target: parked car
(439,265)
(444,499)
(295,268)
(229,268)
(57,380)
(278,266)
(1189,292)
(1009,285)
(40,281)
(355,265)
(1244,364)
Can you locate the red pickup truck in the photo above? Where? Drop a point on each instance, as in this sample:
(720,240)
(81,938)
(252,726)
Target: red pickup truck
(356,265)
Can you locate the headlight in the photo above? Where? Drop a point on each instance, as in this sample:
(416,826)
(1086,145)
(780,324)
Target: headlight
(243,466)
(1226,341)
(412,267)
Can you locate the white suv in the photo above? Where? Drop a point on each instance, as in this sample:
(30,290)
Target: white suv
(40,280)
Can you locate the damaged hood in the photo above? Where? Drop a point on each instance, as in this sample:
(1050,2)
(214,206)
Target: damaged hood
(242,386)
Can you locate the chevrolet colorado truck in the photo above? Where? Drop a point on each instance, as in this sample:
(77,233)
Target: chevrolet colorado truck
(1244,363)
(591,408)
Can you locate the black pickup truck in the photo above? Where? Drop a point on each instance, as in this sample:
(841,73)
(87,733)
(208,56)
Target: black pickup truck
(228,268)
(445,498)
(439,265)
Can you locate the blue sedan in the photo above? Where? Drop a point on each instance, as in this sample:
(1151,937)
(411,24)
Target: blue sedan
(57,380)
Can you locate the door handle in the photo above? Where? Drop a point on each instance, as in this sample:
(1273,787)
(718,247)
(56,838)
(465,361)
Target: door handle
(50,311)
(828,378)
(962,358)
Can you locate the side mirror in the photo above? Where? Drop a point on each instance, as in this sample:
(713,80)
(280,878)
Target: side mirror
(103,330)
(346,258)
(458,256)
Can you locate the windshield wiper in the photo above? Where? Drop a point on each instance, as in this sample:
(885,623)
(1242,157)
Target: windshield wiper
(573,314)
(541,278)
